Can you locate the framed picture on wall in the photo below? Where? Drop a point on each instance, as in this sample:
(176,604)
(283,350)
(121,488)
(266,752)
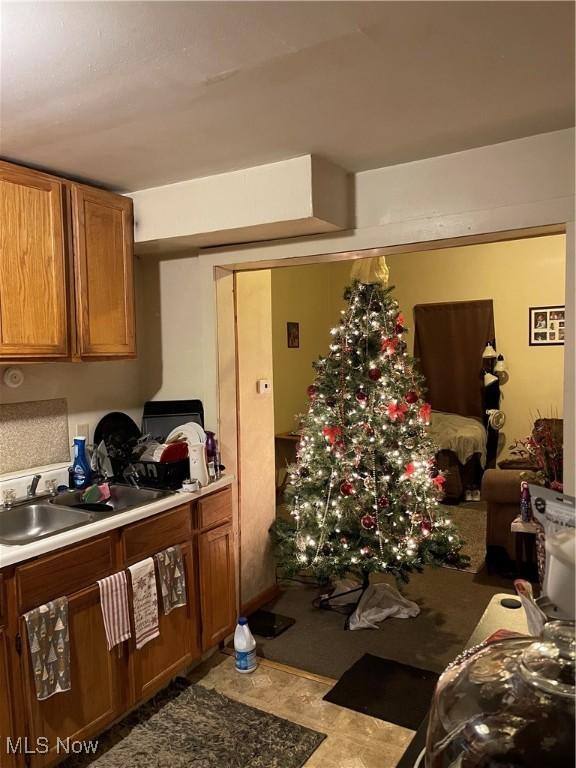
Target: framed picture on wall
(546,326)
(293,335)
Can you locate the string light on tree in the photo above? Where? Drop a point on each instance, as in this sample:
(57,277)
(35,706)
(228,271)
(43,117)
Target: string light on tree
(365,489)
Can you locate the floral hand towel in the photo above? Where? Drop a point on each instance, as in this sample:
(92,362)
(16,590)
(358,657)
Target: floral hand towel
(172,578)
(144,601)
(49,645)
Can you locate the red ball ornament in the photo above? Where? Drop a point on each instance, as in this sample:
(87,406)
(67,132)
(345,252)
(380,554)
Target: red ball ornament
(383,502)
(368,522)
(366,552)
(374,374)
(312,391)
(346,488)
(361,396)
(426,527)
(411,396)
(343,540)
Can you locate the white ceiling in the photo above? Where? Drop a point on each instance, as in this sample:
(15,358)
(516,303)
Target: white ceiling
(138,94)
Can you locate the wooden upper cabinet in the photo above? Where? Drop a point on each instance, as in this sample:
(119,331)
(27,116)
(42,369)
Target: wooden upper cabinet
(33,266)
(103,256)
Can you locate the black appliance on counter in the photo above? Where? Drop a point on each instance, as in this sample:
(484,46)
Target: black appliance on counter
(159,418)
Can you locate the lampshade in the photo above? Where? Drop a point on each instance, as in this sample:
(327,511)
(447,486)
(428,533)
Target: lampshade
(489,379)
(500,366)
(489,352)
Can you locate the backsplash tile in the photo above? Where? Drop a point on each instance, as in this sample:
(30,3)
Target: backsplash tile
(33,434)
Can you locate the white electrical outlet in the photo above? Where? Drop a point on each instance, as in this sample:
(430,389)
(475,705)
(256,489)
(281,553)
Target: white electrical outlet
(263,386)
(83,430)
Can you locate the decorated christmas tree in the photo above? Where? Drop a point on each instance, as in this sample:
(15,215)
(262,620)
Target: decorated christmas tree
(365,492)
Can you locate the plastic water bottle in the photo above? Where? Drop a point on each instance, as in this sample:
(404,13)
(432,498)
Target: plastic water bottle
(244,647)
(81,471)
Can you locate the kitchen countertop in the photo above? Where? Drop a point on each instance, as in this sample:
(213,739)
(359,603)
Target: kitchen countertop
(12,554)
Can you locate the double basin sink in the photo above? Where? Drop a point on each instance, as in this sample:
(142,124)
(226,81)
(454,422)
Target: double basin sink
(30,521)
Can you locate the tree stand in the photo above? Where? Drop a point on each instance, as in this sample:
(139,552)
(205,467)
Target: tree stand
(324,601)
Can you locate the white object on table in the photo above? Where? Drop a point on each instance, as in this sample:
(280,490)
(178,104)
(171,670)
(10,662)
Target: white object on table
(519,526)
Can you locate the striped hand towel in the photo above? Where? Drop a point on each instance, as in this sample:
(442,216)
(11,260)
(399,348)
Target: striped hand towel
(172,578)
(144,601)
(114,603)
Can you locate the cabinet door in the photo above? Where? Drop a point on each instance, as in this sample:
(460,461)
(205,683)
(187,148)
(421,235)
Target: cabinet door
(178,644)
(217,585)
(33,283)
(5,712)
(103,256)
(95,698)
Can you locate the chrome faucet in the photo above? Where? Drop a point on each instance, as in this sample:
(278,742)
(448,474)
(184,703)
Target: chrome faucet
(131,476)
(31,491)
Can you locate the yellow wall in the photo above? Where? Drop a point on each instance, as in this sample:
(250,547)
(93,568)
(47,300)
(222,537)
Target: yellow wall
(517,275)
(312,296)
(256,465)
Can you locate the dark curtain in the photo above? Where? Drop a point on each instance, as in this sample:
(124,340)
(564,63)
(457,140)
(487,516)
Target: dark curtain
(449,341)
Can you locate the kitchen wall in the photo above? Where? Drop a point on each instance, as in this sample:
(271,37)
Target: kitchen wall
(516,275)
(91,389)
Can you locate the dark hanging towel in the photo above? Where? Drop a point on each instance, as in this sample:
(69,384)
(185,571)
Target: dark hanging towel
(49,645)
(449,341)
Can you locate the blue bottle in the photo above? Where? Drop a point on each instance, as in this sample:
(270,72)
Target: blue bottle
(82,474)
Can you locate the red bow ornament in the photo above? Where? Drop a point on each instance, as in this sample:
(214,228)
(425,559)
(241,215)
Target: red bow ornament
(396,411)
(409,469)
(439,481)
(389,345)
(332,433)
(425,411)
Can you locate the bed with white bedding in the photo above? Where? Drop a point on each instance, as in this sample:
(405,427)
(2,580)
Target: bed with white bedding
(462,435)
(461,443)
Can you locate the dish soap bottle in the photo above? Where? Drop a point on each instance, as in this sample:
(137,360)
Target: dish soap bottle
(244,647)
(81,471)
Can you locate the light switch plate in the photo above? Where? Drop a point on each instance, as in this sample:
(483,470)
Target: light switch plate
(263,386)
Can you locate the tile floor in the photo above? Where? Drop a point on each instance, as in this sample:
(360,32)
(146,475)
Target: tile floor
(353,740)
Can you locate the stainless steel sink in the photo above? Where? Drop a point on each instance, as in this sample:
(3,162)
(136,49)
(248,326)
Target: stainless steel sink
(25,523)
(123,497)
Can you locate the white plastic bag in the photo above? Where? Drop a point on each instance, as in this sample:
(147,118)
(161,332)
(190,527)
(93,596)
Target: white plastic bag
(379,602)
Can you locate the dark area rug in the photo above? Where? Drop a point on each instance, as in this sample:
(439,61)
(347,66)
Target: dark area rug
(394,692)
(188,726)
(451,604)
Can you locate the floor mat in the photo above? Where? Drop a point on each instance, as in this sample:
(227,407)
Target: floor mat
(386,689)
(188,726)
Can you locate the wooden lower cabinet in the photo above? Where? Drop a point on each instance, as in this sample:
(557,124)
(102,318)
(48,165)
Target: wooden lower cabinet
(96,695)
(177,646)
(106,684)
(6,758)
(217,584)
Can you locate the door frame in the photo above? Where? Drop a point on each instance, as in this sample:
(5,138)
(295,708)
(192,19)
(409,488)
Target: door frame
(227,348)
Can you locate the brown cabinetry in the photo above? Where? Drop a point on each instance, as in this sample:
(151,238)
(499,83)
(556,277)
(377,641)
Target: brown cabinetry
(33,269)
(103,254)
(96,695)
(66,281)
(217,584)
(106,684)
(176,647)
(5,710)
